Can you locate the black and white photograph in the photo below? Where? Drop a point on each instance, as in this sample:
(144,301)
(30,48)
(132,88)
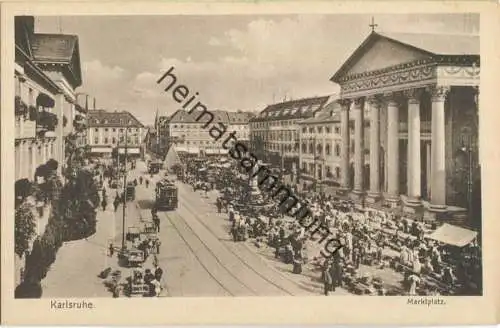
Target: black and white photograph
(247,155)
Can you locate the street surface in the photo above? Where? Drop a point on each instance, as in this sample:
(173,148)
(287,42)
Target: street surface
(197,253)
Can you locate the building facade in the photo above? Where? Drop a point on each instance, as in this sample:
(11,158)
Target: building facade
(320,143)
(420,92)
(47,72)
(190,135)
(274,132)
(109,130)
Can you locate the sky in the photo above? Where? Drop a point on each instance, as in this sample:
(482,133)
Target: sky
(234,62)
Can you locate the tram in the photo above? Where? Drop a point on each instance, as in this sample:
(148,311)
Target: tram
(166,195)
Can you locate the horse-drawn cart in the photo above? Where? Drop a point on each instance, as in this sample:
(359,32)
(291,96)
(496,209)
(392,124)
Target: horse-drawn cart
(137,286)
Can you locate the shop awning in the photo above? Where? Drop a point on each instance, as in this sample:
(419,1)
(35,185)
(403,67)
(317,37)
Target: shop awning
(453,235)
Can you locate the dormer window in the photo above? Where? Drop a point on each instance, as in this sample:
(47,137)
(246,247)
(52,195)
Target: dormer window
(105,121)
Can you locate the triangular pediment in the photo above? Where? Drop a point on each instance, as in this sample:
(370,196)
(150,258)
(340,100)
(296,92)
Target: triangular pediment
(379,52)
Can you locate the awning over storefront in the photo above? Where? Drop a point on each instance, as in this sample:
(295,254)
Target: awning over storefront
(130,150)
(453,235)
(101,150)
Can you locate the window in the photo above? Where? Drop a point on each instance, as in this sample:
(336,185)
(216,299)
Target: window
(311,148)
(137,130)
(114,140)
(337,172)
(122,138)
(320,129)
(337,130)
(106,140)
(136,140)
(96,140)
(319,149)
(311,130)
(96,130)
(327,129)
(327,149)
(129,139)
(121,130)
(337,150)
(106,130)
(114,130)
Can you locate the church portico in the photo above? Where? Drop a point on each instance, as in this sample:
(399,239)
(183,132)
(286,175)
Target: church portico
(417,111)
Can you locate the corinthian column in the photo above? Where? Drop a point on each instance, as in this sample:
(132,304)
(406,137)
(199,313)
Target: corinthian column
(359,155)
(374,192)
(344,130)
(414,164)
(392,150)
(438,159)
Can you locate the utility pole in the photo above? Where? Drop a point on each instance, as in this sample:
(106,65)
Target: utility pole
(315,181)
(124,189)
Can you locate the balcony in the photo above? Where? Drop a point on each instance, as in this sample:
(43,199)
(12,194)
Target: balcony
(425,127)
(20,107)
(80,123)
(46,121)
(24,129)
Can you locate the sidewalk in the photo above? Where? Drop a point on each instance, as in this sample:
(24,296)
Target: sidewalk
(74,272)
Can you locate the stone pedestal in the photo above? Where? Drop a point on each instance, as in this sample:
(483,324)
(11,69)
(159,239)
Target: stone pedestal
(357,196)
(392,201)
(342,191)
(373,197)
(412,206)
(434,213)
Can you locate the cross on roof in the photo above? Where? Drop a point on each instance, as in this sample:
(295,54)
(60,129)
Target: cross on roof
(373,25)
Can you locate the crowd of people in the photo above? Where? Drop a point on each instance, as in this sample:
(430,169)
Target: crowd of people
(373,241)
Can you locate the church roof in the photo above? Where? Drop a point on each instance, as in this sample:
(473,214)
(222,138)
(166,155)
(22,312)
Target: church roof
(439,44)
(432,45)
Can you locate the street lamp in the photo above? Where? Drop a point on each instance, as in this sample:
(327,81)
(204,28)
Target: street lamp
(124,182)
(468,151)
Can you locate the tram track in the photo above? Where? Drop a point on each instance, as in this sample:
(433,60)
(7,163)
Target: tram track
(193,251)
(189,209)
(238,288)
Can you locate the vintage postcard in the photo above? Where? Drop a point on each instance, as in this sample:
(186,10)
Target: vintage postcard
(250,163)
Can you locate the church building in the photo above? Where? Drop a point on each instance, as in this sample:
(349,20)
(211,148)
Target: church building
(420,92)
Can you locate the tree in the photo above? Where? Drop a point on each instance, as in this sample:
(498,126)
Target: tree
(24,229)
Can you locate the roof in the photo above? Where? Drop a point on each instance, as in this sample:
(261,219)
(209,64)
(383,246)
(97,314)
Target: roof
(329,114)
(183,116)
(439,44)
(293,109)
(53,47)
(239,117)
(431,44)
(103,118)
